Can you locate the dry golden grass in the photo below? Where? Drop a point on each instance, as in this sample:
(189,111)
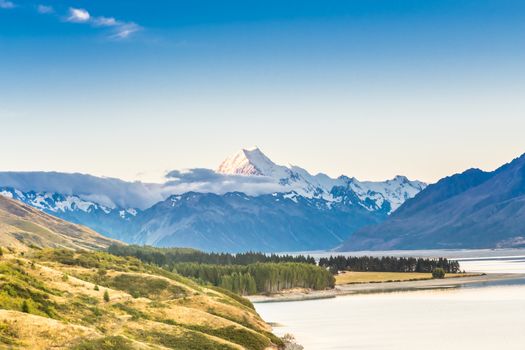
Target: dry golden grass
(377,277)
(71,285)
(41,333)
(62,294)
(154,327)
(198,316)
(22,226)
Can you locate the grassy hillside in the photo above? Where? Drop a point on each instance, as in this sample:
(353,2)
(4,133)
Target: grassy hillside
(58,292)
(81,300)
(22,226)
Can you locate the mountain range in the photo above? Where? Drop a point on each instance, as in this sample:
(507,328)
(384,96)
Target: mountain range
(474,209)
(247,203)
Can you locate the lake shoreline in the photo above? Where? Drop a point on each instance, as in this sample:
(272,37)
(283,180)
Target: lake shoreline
(383,287)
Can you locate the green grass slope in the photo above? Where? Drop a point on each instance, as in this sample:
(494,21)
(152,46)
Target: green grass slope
(66,299)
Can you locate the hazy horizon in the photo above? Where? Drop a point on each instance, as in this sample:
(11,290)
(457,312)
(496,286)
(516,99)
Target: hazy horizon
(161,176)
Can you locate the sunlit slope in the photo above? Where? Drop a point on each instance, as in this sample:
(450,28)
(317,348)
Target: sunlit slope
(55,298)
(22,226)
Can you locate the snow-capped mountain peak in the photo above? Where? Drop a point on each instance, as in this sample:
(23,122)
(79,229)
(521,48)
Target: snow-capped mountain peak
(395,191)
(248,171)
(252,162)
(384,195)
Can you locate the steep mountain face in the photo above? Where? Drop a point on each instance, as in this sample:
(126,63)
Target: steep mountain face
(474,209)
(237,222)
(252,162)
(249,203)
(22,226)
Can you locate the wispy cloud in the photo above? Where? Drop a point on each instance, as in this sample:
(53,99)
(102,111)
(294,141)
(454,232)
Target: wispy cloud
(125,30)
(78,15)
(116,29)
(45,9)
(6,4)
(120,29)
(105,21)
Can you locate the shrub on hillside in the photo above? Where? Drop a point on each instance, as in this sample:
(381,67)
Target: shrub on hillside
(105,343)
(438,273)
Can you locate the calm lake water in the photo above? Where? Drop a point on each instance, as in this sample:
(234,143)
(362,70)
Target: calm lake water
(484,316)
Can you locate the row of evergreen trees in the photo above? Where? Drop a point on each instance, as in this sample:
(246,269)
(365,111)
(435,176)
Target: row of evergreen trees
(240,283)
(243,273)
(170,256)
(388,264)
(251,272)
(259,277)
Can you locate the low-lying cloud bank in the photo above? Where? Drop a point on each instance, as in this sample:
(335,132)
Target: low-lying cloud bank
(206,180)
(113,192)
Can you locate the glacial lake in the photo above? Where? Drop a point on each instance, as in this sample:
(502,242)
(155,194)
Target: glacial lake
(483,316)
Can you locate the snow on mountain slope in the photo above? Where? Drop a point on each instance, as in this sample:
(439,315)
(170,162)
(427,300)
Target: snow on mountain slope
(371,195)
(248,171)
(55,203)
(395,191)
(109,192)
(252,162)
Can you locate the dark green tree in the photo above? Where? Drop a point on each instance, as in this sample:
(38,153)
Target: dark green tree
(25,307)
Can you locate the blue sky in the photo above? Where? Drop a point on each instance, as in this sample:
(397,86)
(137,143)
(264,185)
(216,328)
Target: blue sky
(369,88)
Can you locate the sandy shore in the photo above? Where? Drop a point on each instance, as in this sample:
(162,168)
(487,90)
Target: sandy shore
(349,289)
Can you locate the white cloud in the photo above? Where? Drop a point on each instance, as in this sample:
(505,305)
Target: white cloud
(106,191)
(125,30)
(121,30)
(5,4)
(209,181)
(44,9)
(114,192)
(105,22)
(78,15)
